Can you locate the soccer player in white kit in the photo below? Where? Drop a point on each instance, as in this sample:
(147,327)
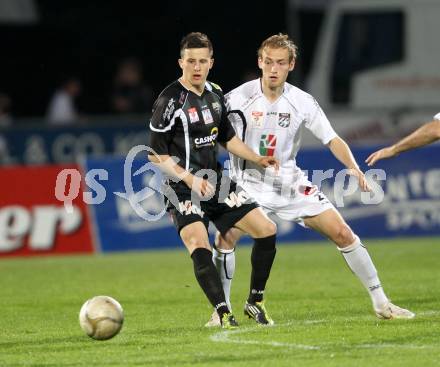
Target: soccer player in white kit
(424,135)
(268,114)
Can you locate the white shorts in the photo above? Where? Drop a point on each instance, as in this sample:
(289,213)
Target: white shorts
(307,201)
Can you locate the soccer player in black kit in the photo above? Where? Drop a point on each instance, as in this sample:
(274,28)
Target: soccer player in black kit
(188,121)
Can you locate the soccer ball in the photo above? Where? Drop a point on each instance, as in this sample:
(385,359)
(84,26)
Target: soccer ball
(101,317)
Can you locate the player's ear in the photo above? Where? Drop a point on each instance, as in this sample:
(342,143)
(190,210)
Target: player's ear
(292,65)
(180,61)
(260,63)
(211,63)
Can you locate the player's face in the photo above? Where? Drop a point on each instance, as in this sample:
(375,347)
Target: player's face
(275,66)
(195,64)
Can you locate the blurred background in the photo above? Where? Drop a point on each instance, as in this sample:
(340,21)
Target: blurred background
(78,80)
(48,42)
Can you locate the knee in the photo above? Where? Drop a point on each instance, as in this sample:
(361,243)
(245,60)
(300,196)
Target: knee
(226,241)
(266,229)
(343,235)
(193,242)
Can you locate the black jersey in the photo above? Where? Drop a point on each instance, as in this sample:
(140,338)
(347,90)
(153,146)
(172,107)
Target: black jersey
(188,126)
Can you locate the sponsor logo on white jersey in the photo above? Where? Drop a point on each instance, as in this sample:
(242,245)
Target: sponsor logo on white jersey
(268,143)
(284,119)
(257,118)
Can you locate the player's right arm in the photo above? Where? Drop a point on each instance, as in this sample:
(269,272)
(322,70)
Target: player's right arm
(162,125)
(426,134)
(170,167)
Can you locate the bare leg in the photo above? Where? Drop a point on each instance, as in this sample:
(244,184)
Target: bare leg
(331,224)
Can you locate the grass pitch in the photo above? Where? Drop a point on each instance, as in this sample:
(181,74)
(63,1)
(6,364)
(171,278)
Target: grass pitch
(323,315)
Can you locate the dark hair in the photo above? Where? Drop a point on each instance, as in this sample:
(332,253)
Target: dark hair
(195,40)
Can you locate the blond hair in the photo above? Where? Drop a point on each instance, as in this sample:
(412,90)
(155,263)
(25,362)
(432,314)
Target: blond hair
(279,40)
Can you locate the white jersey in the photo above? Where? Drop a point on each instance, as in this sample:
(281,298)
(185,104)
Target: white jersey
(437,117)
(273,129)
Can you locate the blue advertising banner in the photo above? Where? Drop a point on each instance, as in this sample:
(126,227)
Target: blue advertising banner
(45,145)
(132,215)
(405,200)
(410,187)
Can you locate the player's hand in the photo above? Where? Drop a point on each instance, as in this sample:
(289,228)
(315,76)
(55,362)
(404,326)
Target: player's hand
(387,152)
(201,186)
(269,162)
(361,178)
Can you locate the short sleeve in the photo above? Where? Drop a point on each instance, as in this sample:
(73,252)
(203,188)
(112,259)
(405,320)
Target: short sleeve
(162,124)
(163,114)
(317,122)
(437,117)
(226,131)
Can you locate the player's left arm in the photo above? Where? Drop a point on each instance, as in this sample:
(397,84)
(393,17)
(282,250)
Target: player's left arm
(342,152)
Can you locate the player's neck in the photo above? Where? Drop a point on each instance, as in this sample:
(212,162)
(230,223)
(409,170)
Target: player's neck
(197,89)
(272,94)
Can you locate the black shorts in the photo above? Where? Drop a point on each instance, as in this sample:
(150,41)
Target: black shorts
(228,206)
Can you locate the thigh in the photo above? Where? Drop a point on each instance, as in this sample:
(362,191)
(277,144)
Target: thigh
(308,202)
(329,223)
(195,236)
(257,224)
(225,210)
(187,213)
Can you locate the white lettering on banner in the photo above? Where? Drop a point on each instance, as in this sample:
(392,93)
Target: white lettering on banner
(15,222)
(236,199)
(425,217)
(408,200)
(432,183)
(5,156)
(122,143)
(35,152)
(416,182)
(66,147)
(397,188)
(133,222)
(40,223)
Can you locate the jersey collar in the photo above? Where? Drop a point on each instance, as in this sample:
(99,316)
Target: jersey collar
(259,91)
